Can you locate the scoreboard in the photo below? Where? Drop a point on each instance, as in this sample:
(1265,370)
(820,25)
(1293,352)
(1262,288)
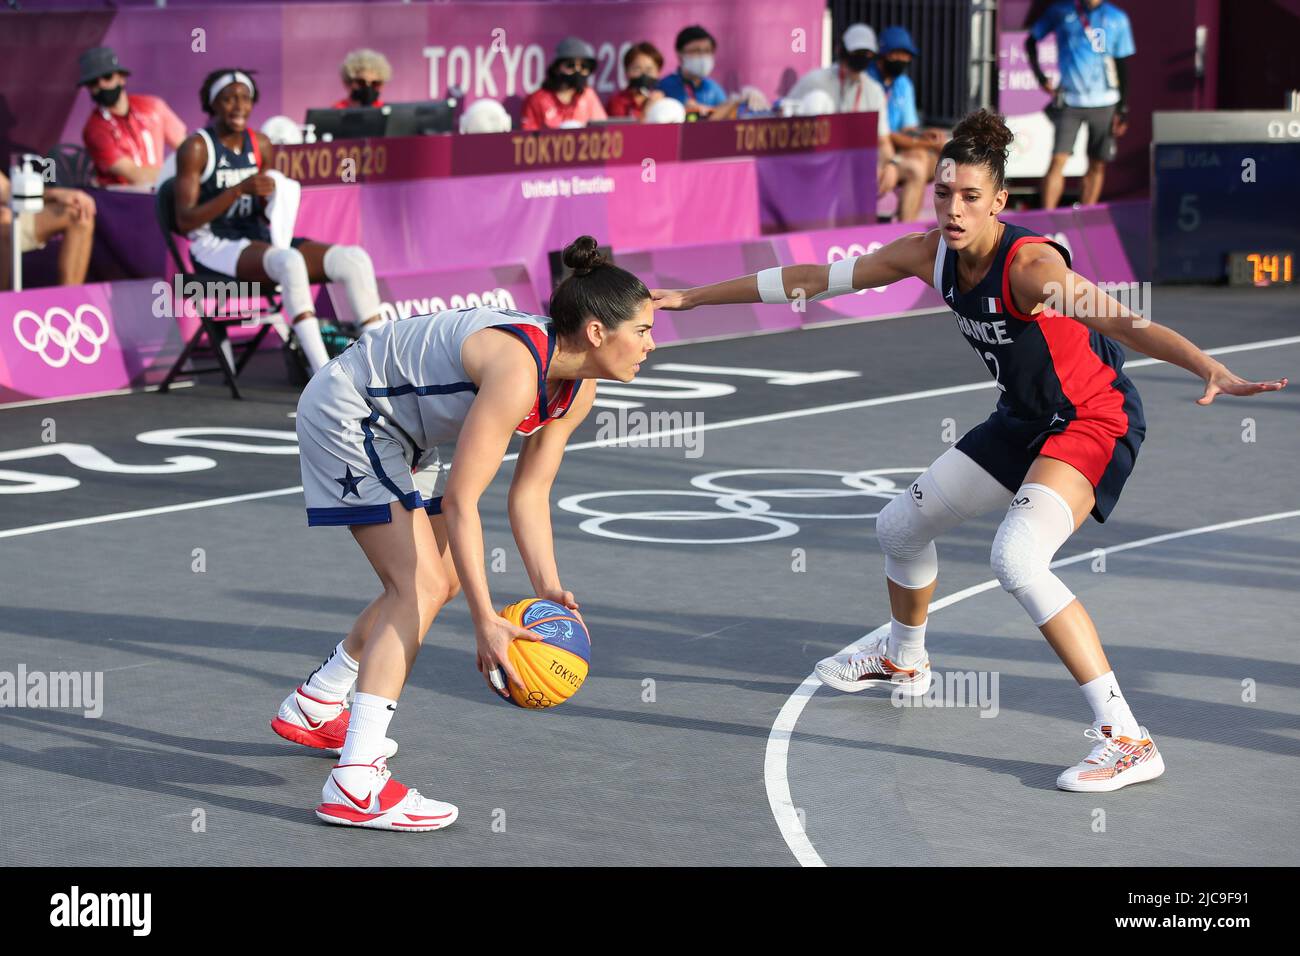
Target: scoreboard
(1226,197)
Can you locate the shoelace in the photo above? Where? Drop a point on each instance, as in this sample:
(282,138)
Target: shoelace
(1104,749)
(863,661)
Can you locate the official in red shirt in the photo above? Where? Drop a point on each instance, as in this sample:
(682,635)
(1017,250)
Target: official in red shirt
(364,74)
(125,135)
(642,65)
(565,99)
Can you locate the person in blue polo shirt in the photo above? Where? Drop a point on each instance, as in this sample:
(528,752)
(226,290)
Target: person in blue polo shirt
(917,149)
(1093,39)
(690,83)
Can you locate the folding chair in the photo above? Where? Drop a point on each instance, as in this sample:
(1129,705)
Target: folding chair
(211,332)
(72,166)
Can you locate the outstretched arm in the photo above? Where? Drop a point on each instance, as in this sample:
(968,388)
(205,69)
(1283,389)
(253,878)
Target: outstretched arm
(1039,276)
(911,255)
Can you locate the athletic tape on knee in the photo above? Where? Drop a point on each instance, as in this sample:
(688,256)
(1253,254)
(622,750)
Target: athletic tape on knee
(771,287)
(840,279)
(351,266)
(1037,524)
(288,268)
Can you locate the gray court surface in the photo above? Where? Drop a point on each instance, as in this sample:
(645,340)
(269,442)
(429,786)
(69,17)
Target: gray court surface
(668,755)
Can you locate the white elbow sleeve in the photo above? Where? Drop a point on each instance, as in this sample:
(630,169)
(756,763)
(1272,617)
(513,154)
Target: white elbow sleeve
(771,286)
(840,280)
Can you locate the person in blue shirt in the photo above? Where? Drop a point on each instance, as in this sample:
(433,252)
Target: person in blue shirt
(690,83)
(916,148)
(1093,40)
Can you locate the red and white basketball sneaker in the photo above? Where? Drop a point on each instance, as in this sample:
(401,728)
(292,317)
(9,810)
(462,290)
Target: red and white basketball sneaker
(326,731)
(366,795)
(1114,762)
(871,667)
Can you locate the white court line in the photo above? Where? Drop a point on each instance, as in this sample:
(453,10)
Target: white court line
(27,403)
(609,442)
(775,763)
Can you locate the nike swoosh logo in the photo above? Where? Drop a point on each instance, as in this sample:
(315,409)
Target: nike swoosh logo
(360,804)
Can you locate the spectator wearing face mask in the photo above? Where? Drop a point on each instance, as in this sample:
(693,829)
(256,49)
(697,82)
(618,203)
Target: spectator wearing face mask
(126,134)
(852,89)
(691,85)
(364,74)
(565,99)
(642,64)
(917,148)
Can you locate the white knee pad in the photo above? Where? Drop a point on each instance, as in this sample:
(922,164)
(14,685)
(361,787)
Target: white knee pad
(288,268)
(952,489)
(1036,525)
(351,266)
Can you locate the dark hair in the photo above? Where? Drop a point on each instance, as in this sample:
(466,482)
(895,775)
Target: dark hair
(981,139)
(691,34)
(644,48)
(597,289)
(214,76)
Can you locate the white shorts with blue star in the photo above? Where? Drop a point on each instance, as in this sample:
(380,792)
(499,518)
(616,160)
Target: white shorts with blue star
(355,463)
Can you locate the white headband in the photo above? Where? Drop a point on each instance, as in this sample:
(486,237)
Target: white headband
(225,80)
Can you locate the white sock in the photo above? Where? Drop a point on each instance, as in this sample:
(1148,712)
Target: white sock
(313,346)
(906,643)
(1109,706)
(367,728)
(335,677)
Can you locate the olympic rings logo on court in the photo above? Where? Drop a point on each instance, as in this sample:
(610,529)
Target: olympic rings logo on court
(743,504)
(76,339)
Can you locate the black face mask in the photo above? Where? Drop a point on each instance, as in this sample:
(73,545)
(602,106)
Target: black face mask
(857,62)
(107,96)
(574,81)
(895,68)
(364,95)
(642,83)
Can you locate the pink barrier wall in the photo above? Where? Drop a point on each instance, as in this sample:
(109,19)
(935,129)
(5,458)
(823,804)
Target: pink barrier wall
(82,339)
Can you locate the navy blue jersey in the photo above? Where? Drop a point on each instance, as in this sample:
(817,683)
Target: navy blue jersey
(1045,363)
(246,217)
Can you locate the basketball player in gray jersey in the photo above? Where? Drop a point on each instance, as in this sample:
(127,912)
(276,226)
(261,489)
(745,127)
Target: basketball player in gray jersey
(376,429)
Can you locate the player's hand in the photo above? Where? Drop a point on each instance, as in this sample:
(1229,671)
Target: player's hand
(674,300)
(1049,86)
(493,637)
(1119,124)
(260,185)
(564,599)
(1222,381)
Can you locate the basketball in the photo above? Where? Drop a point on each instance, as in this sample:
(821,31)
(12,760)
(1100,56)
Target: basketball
(553,668)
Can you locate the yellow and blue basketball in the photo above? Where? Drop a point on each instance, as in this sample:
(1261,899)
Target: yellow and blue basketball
(553,668)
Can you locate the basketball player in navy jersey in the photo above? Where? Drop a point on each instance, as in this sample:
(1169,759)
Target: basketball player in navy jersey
(1058,447)
(223,184)
(376,430)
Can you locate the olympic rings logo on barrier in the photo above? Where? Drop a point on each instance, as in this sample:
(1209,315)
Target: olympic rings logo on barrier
(742,504)
(66,340)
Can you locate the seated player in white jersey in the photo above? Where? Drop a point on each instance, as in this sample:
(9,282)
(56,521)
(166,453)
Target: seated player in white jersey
(224,182)
(377,429)
(1058,447)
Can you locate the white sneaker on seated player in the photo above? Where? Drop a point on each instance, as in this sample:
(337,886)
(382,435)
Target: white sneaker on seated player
(366,795)
(1114,762)
(322,725)
(871,667)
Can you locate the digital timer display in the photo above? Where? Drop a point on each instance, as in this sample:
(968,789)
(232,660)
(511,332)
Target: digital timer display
(1276,267)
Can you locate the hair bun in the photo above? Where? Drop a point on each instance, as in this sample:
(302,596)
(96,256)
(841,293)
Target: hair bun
(985,129)
(582,255)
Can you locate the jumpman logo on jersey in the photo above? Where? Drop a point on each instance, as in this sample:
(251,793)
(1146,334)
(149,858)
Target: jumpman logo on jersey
(948,295)
(223,161)
(1056,418)
(349,483)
